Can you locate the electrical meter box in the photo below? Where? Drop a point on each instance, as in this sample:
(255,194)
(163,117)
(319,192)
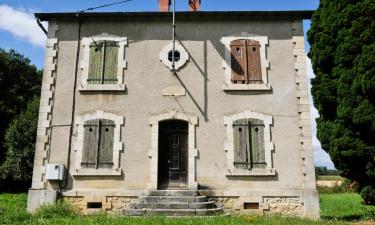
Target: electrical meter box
(55,172)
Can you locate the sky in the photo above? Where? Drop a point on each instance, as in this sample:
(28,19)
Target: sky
(19,31)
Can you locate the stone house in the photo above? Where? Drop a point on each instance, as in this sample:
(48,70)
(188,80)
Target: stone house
(220,123)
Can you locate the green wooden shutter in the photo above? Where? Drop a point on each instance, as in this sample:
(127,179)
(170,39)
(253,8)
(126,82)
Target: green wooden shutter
(111,62)
(105,159)
(95,63)
(241,144)
(257,144)
(90,144)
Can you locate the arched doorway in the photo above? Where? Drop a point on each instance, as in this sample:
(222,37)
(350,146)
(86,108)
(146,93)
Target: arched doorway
(173,154)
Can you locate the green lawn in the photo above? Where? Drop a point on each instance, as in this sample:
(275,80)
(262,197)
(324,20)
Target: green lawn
(344,206)
(335,208)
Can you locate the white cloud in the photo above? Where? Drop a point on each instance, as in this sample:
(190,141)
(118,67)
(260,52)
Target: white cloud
(321,157)
(22,25)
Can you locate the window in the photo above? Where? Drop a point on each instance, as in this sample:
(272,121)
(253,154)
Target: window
(245,61)
(98,144)
(103,62)
(248,143)
(246,65)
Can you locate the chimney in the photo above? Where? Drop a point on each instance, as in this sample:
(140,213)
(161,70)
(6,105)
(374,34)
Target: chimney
(194,5)
(164,5)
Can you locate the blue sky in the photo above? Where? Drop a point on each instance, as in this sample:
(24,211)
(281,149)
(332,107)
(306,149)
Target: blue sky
(18,29)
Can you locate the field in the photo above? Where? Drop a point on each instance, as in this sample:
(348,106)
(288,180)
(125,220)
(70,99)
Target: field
(337,209)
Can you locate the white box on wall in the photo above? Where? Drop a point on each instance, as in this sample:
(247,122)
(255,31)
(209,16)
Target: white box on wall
(55,172)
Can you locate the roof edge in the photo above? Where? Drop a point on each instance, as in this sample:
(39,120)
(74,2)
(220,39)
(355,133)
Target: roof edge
(302,14)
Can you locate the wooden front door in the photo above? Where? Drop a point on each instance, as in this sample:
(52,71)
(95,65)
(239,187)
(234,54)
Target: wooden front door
(173,158)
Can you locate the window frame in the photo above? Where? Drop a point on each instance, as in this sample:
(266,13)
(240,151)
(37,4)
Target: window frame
(85,63)
(232,171)
(79,144)
(227,65)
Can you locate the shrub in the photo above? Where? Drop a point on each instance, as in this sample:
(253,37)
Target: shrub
(368,194)
(60,209)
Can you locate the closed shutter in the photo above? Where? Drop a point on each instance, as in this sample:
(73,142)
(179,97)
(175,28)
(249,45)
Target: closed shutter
(95,63)
(105,159)
(110,62)
(239,61)
(254,68)
(257,144)
(241,144)
(90,144)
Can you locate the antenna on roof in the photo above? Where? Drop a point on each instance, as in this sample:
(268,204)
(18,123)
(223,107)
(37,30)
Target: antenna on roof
(103,6)
(174,36)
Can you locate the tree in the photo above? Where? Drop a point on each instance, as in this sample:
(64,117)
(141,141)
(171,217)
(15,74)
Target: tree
(343,58)
(19,82)
(20,142)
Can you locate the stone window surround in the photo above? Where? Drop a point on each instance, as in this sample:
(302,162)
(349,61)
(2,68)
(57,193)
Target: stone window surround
(154,150)
(268,145)
(227,65)
(117,145)
(121,64)
(184,56)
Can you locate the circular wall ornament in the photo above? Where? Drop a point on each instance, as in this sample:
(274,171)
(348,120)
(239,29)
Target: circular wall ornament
(181,56)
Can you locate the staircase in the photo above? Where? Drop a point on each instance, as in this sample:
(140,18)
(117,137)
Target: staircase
(174,203)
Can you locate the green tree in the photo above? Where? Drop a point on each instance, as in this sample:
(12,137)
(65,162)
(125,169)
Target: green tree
(19,82)
(20,142)
(343,58)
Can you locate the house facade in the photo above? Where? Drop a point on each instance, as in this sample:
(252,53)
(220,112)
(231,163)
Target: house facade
(225,115)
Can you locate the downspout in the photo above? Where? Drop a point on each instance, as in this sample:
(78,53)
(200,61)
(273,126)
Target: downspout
(41,26)
(73,105)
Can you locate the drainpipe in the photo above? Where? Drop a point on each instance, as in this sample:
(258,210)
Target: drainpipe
(41,25)
(74,103)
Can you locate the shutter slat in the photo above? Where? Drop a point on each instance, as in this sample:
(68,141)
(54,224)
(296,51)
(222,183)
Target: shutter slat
(239,61)
(111,62)
(254,68)
(105,159)
(95,63)
(90,145)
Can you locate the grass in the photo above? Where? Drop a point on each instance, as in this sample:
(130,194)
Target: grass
(335,209)
(345,206)
(330,177)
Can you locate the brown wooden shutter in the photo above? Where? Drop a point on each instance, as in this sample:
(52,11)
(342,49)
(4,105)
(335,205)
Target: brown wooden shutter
(105,158)
(241,144)
(95,63)
(110,62)
(254,68)
(257,144)
(239,61)
(90,144)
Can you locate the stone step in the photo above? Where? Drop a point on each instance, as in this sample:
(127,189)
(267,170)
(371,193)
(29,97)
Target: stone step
(193,205)
(173,193)
(172,212)
(172,199)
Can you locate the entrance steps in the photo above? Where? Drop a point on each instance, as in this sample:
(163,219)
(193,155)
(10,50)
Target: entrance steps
(174,203)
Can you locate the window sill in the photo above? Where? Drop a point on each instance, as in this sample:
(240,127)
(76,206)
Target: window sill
(103,87)
(250,173)
(97,172)
(246,87)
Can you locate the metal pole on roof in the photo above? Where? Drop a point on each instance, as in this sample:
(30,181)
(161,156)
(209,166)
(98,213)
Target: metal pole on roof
(174,36)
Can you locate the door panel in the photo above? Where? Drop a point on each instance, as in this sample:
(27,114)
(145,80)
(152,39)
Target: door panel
(173,145)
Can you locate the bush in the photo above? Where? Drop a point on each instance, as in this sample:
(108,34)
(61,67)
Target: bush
(368,195)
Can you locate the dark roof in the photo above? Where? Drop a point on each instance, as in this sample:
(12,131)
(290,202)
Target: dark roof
(207,14)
